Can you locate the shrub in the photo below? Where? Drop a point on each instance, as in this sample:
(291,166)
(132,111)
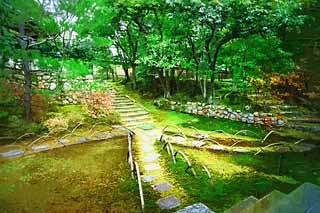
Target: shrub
(56,123)
(98,104)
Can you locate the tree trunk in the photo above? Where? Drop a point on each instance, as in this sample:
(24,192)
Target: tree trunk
(27,74)
(213,68)
(133,76)
(27,89)
(167,93)
(126,73)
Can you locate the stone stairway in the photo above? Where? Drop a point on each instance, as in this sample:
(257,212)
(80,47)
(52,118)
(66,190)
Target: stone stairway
(137,118)
(306,198)
(131,113)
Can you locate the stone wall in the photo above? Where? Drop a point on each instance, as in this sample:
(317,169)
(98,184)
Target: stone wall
(218,111)
(49,80)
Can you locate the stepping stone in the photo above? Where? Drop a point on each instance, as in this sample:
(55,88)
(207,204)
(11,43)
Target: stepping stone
(169,202)
(82,140)
(151,157)
(147,141)
(162,187)
(148,178)
(12,153)
(147,148)
(40,147)
(197,143)
(150,167)
(63,140)
(196,208)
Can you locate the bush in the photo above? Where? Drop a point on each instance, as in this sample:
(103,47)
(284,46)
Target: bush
(56,123)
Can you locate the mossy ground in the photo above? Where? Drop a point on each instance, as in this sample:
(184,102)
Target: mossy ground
(87,177)
(237,176)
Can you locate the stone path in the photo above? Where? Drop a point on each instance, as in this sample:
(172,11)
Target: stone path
(137,118)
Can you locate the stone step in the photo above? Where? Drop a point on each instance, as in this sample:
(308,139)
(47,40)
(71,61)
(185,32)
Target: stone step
(168,202)
(130,110)
(266,202)
(134,114)
(196,208)
(161,187)
(122,101)
(306,198)
(125,107)
(243,205)
(123,104)
(137,124)
(135,119)
(119,98)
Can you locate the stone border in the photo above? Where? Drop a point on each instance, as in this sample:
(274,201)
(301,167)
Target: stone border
(218,111)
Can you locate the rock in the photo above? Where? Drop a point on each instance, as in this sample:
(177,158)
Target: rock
(256,114)
(169,202)
(66,86)
(162,187)
(196,208)
(46,77)
(89,78)
(52,86)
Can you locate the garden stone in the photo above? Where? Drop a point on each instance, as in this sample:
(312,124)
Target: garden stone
(216,147)
(150,167)
(148,178)
(82,140)
(52,86)
(63,140)
(197,143)
(196,208)
(280,123)
(178,139)
(169,202)
(151,157)
(40,147)
(12,153)
(162,187)
(241,150)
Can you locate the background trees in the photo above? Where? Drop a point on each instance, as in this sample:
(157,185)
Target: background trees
(161,44)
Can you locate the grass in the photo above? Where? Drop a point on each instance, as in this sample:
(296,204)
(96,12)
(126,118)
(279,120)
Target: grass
(81,178)
(163,117)
(237,176)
